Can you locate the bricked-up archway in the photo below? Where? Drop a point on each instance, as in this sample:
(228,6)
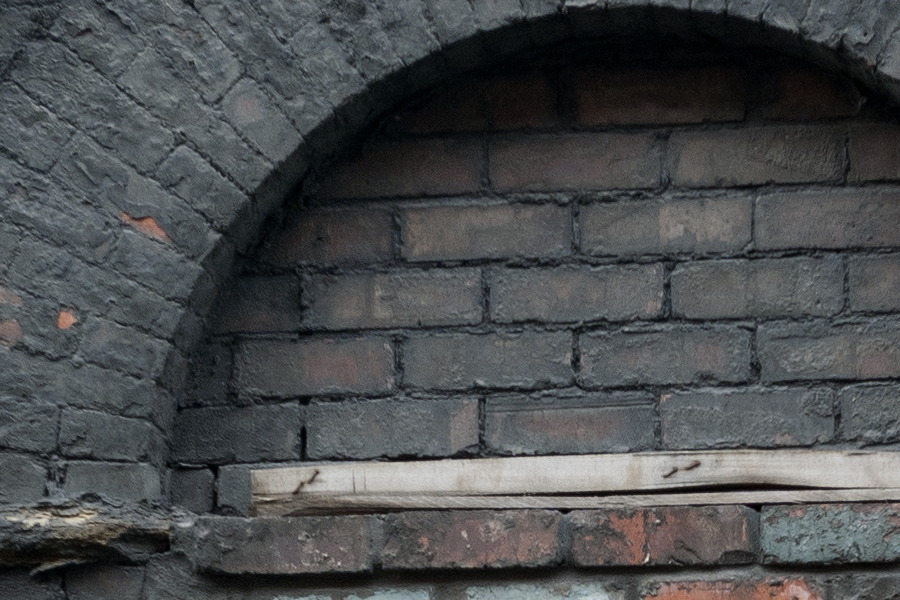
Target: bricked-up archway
(144,144)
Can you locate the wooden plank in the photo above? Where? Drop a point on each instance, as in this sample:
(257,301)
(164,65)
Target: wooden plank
(321,504)
(606,473)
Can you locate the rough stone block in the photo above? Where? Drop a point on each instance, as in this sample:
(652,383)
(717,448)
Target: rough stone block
(524,360)
(471,539)
(495,231)
(112,346)
(572,294)
(193,489)
(119,481)
(99,436)
(391,428)
(29,131)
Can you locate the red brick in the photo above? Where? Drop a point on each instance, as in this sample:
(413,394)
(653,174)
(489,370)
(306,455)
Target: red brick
(521,101)
(589,161)
(648,97)
(757,155)
(495,231)
(874,152)
(796,93)
(313,367)
(332,237)
(281,546)
(504,361)
(683,355)
(772,589)
(571,294)
(666,227)
(471,539)
(397,299)
(410,168)
(875,283)
(832,219)
(608,537)
(261,304)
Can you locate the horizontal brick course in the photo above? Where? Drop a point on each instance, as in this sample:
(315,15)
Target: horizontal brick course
(870,413)
(874,283)
(495,231)
(571,294)
(737,589)
(757,155)
(682,355)
(666,227)
(758,288)
(393,427)
(316,366)
(413,168)
(740,418)
(820,351)
(471,539)
(832,219)
(665,96)
(575,162)
(396,299)
(570,424)
(462,361)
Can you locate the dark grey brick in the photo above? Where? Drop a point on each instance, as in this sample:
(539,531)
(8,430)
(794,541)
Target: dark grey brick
(786,287)
(223,435)
(211,370)
(396,299)
(30,131)
(105,582)
(462,361)
(24,478)
(265,303)
(736,418)
(255,115)
(120,481)
(874,281)
(233,489)
(571,294)
(27,426)
(682,355)
(154,264)
(20,585)
(865,586)
(870,413)
(121,348)
(822,351)
(98,35)
(394,427)
(570,424)
(193,489)
(94,435)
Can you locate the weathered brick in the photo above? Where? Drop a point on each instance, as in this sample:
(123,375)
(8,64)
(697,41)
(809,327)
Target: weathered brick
(795,93)
(412,168)
(819,351)
(648,97)
(870,413)
(555,591)
(874,152)
(569,424)
(865,586)
(121,481)
(282,546)
(105,582)
(874,282)
(462,361)
(193,489)
(211,368)
(582,161)
(665,227)
(737,418)
(785,287)
(316,366)
(92,434)
(521,101)
(30,131)
(252,112)
(113,346)
(332,237)
(24,478)
(830,533)
(497,231)
(832,219)
(264,303)
(608,537)
(756,156)
(378,428)
(25,425)
(767,589)
(395,299)
(682,355)
(223,435)
(570,294)
(471,539)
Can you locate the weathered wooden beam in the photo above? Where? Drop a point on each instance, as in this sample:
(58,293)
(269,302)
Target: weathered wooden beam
(584,474)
